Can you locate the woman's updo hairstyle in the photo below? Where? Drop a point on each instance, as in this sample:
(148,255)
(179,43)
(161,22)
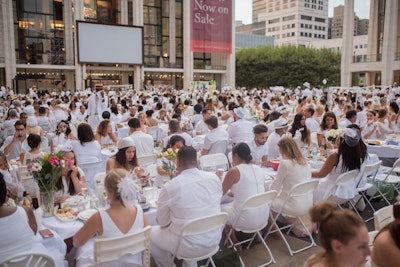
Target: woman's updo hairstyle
(243,151)
(111,183)
(334,223)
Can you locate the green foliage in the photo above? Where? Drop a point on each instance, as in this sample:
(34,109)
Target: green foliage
(287,66)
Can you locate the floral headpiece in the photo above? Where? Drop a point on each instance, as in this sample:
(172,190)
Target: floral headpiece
(127,188)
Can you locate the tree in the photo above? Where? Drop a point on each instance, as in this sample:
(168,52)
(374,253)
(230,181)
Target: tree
(287,66)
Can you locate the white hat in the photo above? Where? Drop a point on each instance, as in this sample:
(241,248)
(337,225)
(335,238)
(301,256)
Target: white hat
(239,112)
(126,142)
(280,123)
(306,84)
(29,110)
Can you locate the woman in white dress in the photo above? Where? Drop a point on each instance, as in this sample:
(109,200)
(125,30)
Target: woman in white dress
(86,148)
(242,181)
(34,142)
(104,134)
(122,218)
(62,135)
(351,155)
(371,130)
(293,169)
(329,122)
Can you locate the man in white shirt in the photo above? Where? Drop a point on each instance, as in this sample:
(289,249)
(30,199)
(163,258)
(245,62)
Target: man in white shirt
(351,118)
(144,142)
(241,130)
(190,195)
(216,136)
(81,114)
(311,123)
(258,146)
(281,127)
(15,144)
(43,120)
(306,92)
(201,127)
(97,103)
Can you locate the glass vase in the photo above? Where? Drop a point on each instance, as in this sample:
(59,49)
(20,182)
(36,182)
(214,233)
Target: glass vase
(47,203)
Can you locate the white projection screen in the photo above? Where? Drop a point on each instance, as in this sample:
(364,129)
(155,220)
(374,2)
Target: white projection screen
(102,43)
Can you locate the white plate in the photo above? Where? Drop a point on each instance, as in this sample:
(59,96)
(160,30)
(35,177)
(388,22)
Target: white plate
(107,152)
(74,200)
(64,218)
(86,214)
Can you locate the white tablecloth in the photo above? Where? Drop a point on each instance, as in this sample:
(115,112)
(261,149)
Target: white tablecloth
(384,151)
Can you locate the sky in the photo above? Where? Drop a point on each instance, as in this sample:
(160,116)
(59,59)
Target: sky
(243,9)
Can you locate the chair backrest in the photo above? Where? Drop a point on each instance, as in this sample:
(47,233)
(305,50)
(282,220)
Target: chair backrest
(302,193)
(395,168)
(214,161)
(230,159)
(255,203)
(122,132)
(200,226)
(371,170)
(145,161)
(90,170)
(152,170)
(28,259)
(153,131)
(346,177)
(218,147)
(111,249)
(383,216)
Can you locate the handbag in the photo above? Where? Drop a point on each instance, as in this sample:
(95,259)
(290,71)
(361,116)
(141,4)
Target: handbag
(226,257)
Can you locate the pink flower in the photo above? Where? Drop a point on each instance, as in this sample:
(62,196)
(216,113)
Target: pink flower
(54,161)
(36,167)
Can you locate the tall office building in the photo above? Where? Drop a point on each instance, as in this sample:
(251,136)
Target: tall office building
(293,21)
(336,24)
(39,43)
(382,66)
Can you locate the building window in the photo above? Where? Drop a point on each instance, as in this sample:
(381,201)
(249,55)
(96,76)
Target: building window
(320,20)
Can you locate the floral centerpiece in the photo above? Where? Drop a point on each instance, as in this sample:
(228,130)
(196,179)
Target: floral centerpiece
(168,157)
(332,135)
(46,171)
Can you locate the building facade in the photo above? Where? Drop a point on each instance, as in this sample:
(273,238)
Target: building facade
(336,24)
(293,21)
(382,65)
(39,45)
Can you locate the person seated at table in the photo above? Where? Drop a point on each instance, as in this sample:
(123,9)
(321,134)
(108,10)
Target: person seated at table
(293,169)
(105,135)
(299,129)
(175,143)
(241,130)
(121,218)
(143,122)
(151,121)
(86,148)
(281,127)
(371,130)
(34,142)
(175,129)
(32,126)
(14,187)
(258,146)
(72,178)
(201,127)
(342,234)
(243,181)
(214,137)
(125,158)
(144,142)
(190,195)
(329,122)
(386,249)
(351,155)
(62,134)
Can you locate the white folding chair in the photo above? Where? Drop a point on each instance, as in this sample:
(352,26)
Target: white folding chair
(145,161)
(218,147)
(230,158)
(303,191)
(28,259)
(111,249)
(392,178)
(214,161)
(90,170)
(197,227)
(153,131)
(253,203)
(383,216)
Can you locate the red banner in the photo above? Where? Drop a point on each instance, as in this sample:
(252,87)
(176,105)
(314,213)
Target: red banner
(211,26)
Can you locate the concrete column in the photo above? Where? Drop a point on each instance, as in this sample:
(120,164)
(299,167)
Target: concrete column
(124,21)
(70,80)
(138,74)
(187,54)
(373,31)
(80,69)
(389,41)
(231,59)
(172,32)
(347,47)
(8,40)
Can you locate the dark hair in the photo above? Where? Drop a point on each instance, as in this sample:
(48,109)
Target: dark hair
(114,109)
(71,187)
(351,113)
(328,114)
(334,223)
(394,106)
(134,123)
(296,126)
(174,126)
(19,122)
(33,140)
(149,113)
(212,121)
(197,108)
(3,190)
(121,158)
(105,115)
(175,139)
(85,133)
(42,110)
(68,131)
(352,157)
(260,128)
(204,111)
(187,156)
(274,115)
(243,151)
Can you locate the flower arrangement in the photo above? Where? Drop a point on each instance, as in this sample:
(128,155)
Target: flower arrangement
(168,157)
(46,171)
(332,135)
